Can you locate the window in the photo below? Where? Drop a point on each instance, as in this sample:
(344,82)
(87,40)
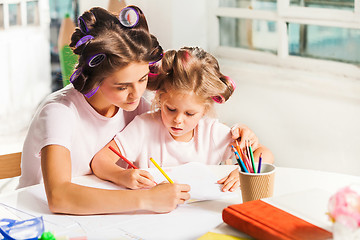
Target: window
(14,14)
(247,33)
(1,16)
(286,31)
(263,5)
(32,12)
(331,43)
(335,4)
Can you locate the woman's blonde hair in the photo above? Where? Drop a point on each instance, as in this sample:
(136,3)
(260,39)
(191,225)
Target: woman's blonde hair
(190,69)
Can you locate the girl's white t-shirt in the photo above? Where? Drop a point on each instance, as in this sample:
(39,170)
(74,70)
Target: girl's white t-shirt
(146,137)
(65,118)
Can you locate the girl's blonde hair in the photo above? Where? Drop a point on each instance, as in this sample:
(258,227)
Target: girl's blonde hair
(190,69)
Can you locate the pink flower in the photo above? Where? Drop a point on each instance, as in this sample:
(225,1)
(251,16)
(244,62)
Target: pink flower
(344,206)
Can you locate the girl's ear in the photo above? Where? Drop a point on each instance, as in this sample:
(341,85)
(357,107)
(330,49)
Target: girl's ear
(209,109)
(206,109)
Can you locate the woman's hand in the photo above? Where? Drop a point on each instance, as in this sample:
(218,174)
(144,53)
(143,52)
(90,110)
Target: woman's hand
(135,179)
(231,182)
(166,196)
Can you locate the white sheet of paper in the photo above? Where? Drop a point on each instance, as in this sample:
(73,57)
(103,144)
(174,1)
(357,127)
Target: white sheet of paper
(197,216)
(201,179)
(13,213)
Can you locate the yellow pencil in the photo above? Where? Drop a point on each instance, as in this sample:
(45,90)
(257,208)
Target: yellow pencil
(162,171)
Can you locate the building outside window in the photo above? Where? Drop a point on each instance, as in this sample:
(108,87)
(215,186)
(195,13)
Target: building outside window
(284,30)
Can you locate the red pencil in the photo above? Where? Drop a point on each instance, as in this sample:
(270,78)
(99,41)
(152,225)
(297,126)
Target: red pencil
(248,165)
(123,158)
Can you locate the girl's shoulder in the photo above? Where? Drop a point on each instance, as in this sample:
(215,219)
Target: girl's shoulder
(209,122)
(212,127)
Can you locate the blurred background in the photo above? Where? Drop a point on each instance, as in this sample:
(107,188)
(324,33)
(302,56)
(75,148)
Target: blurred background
(295,63)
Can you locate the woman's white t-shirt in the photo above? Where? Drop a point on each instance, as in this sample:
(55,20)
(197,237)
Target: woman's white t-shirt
(65,118)
(146,136)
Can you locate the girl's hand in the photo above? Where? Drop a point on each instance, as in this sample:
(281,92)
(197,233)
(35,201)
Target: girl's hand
(166,196)
(231,182)
(135,179)
(242,133)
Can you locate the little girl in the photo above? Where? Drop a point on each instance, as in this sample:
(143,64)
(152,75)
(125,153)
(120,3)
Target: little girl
(179,131)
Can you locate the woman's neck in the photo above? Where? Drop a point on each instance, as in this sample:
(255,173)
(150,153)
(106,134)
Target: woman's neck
(103,108)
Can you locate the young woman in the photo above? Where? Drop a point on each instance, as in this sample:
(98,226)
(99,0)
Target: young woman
(74,123)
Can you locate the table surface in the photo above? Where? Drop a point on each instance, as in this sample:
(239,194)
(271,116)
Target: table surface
(183,223)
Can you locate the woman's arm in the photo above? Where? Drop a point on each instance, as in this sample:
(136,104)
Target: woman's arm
(66,197)
(104,166)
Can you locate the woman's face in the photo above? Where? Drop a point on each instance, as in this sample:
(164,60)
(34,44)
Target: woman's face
(180,113)
(125,87)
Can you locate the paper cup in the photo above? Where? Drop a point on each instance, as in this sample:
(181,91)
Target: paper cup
(255,186)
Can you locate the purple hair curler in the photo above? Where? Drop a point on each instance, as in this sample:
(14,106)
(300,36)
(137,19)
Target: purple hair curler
(82,25)
(75,74)
(83,40)
(96,59)
(129,17)
(92,92)
(161,56)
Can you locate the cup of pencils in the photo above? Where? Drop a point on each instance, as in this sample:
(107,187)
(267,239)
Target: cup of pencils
(256,178)
(257,185)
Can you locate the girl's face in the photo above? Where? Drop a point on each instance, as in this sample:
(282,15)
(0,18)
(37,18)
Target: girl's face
(124,88)
(180,113)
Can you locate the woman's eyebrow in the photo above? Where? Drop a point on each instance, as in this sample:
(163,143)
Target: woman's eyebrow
(131,83)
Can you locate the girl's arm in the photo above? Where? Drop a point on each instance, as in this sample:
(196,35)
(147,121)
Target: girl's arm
(267,156)
(232,181)
(104,166)
(69,198)
(243,133)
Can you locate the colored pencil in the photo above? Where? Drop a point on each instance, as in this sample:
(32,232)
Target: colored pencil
(126,160)
(238,158)
(248,164)
(162,171)
(237,146)
(245,160)
(252,157)
(259,166)
(247,151)
(246,156)
(123,158)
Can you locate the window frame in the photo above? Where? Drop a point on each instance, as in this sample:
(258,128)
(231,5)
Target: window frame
(283,14)
(22,16)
